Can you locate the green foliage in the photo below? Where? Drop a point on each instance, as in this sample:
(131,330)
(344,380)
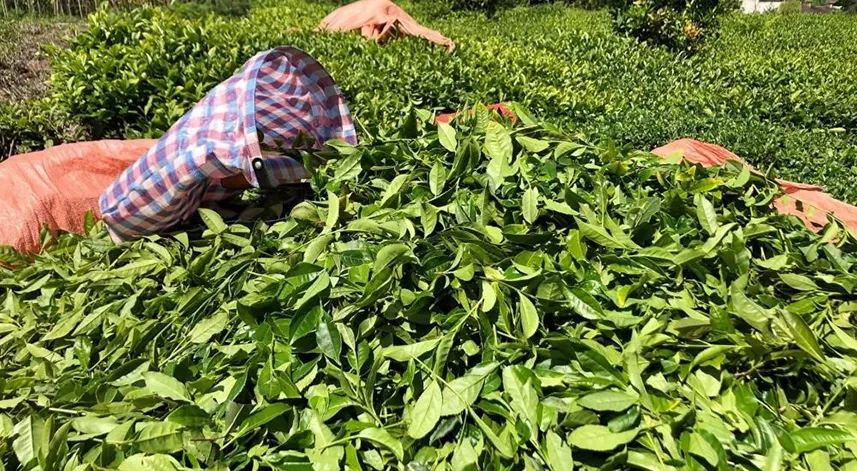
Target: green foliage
(531,300)
(848,6)
(57,9)
(488,7)
(33,126)
(137,72)
(491,7)
(763,89)
(791,7)
(201,8)
(681,25)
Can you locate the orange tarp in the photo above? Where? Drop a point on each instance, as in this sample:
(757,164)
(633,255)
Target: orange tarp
(815,204)
(57,186)
(380,20)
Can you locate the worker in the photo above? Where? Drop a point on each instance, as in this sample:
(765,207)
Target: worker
(243,134)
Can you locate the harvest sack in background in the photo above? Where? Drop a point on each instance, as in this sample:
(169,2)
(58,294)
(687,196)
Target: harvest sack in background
(815,203)
(380,20)
(57,186)
(278,95)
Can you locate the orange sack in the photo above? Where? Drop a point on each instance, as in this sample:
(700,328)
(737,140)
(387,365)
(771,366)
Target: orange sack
(57,186)
(380,20)
(815,203)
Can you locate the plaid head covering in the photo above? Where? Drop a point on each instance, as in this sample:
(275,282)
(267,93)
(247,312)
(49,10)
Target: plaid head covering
(281,93)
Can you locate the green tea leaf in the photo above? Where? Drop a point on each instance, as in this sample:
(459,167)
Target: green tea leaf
(262,417)
(847,341)
(388,255)
(710,353)
(558,453)
(166,386)
(408,352)
(598,235)
(489,296)
(530,205)
(383,438)
(207,328)
(748,310)
(190,416)
(446,136)
(502,445)
(94,425)
(608,401)
(803,335)
(212,221)
(498,147)
(798,282)
(461,393)
(426,412)
(437,178)
(818,460)
(328,338)
(498,142)
(599,438)
(332,211)
(27,445)
(706,214)
(529,316)
(532,145)
(811,438)
(160,437)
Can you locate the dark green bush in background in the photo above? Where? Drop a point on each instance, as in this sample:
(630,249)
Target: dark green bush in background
(26,127)
(681,25)
(136,73)
(791,7)
(848,6)
(200,8)
(491,7)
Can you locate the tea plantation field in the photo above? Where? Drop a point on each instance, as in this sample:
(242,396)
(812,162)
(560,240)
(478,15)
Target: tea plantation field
(779,90)
(542,295)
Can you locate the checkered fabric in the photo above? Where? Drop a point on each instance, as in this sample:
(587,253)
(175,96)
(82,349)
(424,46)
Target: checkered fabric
(280,93)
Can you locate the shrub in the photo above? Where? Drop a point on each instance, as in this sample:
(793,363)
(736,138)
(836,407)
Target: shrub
(135,73)
(681,25)
(848,6)
(200,8)
(490,7)
(34,125)
(791,7)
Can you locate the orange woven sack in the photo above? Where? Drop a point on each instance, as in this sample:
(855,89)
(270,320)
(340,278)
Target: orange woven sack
(380,20)
(57,186)
(814,206)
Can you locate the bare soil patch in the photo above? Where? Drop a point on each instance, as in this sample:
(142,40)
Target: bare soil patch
(24,66)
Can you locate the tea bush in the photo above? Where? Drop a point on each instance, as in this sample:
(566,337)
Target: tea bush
(31,126)
(848,6)
(681,25)
(791,7)
(199,8)
(763,89)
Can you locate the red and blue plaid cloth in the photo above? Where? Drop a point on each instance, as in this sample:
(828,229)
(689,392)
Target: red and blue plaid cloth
(281,93)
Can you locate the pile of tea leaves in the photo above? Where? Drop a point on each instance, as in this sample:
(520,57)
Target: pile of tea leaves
(480,295)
